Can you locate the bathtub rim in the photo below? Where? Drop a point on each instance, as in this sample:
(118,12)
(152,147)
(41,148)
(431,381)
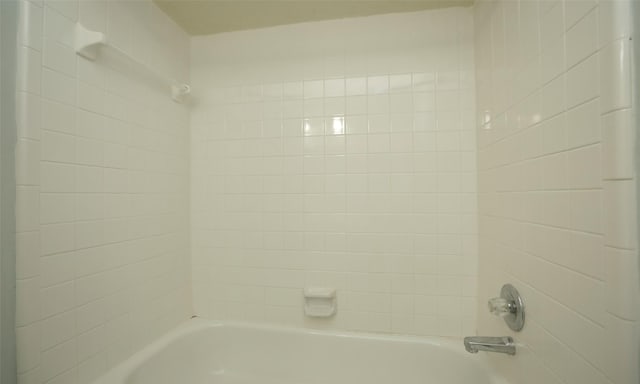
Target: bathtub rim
(121,371)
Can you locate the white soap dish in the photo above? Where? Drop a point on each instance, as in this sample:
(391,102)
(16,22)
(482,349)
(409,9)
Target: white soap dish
(319,301)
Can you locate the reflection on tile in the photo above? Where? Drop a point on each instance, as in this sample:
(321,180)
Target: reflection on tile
(337,125)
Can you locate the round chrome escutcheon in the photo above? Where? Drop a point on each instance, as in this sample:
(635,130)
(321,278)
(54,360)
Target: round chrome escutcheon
(515,319)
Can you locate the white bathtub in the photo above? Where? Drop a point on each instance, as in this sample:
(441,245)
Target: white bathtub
(205,352)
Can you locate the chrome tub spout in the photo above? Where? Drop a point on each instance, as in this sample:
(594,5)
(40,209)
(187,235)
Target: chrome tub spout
(503,344)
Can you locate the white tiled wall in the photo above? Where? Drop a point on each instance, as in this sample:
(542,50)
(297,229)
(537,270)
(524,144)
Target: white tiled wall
(340,154)
(556,189)
(102,199)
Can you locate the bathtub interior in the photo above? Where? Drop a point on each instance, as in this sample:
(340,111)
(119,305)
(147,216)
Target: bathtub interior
(238,354)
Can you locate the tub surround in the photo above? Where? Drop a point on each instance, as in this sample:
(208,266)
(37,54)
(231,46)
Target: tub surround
(339,154)
(346,163)
(556,186)
(102,198)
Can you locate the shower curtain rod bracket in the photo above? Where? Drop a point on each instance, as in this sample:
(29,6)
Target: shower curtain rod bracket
(88,42)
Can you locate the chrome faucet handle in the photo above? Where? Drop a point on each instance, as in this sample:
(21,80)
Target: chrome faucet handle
(502,307)
(509,306)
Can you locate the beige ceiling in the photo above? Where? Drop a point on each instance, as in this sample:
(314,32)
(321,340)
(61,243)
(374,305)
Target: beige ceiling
(204,17)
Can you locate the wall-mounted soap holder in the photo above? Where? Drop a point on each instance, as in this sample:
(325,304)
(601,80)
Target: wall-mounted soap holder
(319,302)
(509,306)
